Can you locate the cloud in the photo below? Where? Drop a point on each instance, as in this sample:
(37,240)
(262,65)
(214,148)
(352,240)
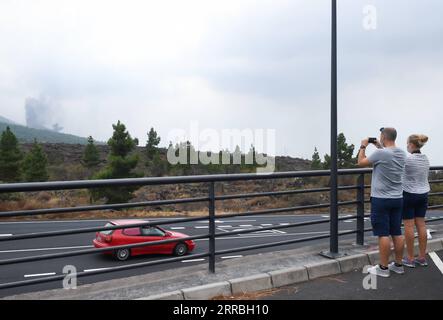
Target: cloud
(231,64)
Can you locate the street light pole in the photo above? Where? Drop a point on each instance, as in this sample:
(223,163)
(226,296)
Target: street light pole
(334,192)
(333,245)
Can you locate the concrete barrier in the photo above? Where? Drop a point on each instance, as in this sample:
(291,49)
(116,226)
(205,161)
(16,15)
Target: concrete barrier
(374,257)
(322,269)
(208,291)
(173,295)
(284,277)
(434,245)
(253,283)
(351,263)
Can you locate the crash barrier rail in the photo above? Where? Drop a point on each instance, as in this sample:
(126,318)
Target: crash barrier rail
(211,198)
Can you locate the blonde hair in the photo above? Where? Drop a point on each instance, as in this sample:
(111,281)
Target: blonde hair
(418,140)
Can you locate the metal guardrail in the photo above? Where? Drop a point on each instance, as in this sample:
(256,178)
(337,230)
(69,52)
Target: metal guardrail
(212,198)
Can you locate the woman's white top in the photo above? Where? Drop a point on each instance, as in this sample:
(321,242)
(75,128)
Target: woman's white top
(416,176)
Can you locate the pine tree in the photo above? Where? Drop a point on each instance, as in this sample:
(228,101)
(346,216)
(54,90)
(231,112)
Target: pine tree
(345,153)
(152,144)
(316,162)
(91,156)
(35,164)
(10,157)
(120,165)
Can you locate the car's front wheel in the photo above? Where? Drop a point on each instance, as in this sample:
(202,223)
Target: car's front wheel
(122,254)
(180,249)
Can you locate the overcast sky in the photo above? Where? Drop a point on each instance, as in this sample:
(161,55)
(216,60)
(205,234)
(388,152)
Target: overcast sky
(227,65)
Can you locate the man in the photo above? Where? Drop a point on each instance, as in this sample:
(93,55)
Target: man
(386,198)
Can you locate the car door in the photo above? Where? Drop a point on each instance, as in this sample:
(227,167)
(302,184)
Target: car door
(151,233)
(133,236)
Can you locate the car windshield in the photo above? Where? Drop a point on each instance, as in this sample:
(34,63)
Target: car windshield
(107,232)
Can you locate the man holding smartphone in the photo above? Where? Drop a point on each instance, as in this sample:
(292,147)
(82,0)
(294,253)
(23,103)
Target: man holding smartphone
(386,198)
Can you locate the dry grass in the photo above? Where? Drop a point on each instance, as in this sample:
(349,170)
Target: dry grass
(74,198)
(258,295)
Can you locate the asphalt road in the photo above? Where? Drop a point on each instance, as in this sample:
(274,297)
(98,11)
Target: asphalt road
(39,269)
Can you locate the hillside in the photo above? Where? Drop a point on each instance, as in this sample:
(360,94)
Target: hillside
(5,120)
(26,134)
(65,161)
(65,164)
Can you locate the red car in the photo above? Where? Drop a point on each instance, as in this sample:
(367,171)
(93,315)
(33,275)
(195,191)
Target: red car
(118,237)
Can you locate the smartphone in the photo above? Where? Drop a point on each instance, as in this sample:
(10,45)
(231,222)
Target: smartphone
(372,140)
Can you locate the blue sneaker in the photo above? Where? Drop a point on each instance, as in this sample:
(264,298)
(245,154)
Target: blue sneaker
(421,262)
(408,263)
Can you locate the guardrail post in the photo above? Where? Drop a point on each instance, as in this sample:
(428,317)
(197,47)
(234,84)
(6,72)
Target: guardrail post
(361,209)
(211,227)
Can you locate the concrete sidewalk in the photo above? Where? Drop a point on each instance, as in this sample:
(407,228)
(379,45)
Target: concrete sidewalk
(420,283)
(237,276)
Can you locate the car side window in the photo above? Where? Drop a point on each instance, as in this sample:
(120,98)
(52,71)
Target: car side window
(132,232)
(152,232)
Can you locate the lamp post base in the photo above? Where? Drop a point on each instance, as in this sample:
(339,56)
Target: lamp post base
(333,255)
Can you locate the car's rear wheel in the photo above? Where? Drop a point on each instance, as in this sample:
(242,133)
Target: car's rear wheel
(122,254)
(180,249)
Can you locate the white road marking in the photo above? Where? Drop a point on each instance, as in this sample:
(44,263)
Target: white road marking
(201,227)
(206,221)
(268,235)
(266,224)
(193,260)
(97,269)
(437,261)
(230,221)
(245,225)
(40,274)
(269,231)
(348,221)
(177,228)
(51,221)
(224,226)
(284,224)
(44,249)
(232,257)
(86,220)
(6,235)
(277,231)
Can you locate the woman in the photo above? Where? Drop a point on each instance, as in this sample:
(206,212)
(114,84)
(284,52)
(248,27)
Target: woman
(415,199)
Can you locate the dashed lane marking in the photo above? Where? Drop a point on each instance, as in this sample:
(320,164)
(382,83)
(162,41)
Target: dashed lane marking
(44,249)
(40,274)
(97,269)
(193,260)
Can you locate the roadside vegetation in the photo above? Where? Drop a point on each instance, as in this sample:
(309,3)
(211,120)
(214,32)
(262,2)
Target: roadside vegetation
(121,158)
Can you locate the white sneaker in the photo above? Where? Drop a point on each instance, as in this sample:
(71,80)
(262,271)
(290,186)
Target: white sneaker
(376,270)
(394,268)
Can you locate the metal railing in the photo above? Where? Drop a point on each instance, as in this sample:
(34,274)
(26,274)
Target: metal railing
(211,199)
